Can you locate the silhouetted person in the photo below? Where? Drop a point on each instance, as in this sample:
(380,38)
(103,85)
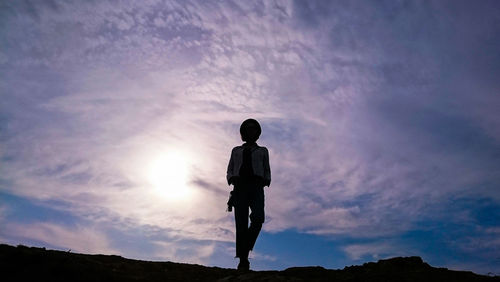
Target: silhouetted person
(249,172)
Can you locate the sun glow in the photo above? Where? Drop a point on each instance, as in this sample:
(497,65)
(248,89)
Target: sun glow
(169,175)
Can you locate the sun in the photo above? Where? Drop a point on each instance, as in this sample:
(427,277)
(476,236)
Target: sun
(168,174)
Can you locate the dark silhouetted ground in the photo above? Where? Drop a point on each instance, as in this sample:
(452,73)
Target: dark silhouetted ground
(37,264)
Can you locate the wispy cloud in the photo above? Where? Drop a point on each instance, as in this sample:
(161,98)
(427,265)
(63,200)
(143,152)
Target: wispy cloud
(194,252)
(375,251)
(77,239)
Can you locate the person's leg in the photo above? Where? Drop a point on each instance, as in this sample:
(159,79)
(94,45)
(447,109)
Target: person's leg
(241,220)
(257,216)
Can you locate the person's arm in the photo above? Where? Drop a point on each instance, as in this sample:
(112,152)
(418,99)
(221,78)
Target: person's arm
(230,167)
(267,169)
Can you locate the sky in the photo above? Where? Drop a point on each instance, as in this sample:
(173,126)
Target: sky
(117,119)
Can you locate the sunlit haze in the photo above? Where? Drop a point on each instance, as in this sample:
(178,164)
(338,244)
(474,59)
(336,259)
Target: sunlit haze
(168,173)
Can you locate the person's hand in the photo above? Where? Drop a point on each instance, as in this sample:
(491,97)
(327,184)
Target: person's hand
(261,182)
(234,180)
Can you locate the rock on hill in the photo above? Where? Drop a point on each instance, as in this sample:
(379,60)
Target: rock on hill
(38,264)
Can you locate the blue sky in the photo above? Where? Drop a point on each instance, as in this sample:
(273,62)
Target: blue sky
(117,119)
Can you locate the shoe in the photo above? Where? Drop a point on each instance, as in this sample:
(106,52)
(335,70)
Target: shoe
(244,264)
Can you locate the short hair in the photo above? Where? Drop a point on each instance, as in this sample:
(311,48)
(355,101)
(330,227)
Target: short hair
(250,130)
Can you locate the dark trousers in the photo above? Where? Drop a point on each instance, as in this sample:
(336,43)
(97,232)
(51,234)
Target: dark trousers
(248,195)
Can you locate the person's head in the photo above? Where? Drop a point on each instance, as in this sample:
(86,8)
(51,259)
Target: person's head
(250,130)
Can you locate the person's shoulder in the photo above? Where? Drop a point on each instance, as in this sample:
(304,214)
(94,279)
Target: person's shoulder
(237,148)
(262,148)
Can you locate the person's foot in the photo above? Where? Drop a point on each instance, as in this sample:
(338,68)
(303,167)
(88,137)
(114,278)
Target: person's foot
(244,264)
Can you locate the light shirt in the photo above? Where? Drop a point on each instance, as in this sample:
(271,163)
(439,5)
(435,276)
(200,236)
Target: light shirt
(260,163)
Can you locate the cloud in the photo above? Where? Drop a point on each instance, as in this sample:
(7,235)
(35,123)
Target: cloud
(374,251)
(196,252)
(3,212)
(263,257)
(77,239)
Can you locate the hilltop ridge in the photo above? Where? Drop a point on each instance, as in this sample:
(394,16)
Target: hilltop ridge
(23,263)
